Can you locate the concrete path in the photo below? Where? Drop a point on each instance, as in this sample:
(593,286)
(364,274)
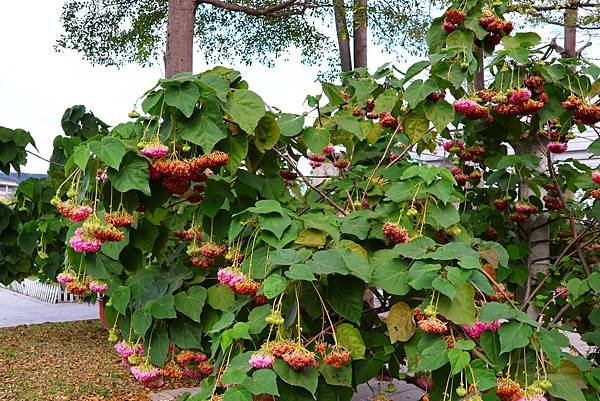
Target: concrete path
(17,309)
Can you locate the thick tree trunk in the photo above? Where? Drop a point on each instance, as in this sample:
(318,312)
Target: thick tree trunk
(181,20)
(570,30)
(341,28)
(360,33)
(479,78)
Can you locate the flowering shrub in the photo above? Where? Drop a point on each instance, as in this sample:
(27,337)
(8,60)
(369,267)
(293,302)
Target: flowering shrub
(225,261)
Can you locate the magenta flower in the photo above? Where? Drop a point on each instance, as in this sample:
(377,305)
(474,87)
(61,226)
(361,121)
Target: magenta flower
(80,213)
(596,176)
(465,106)
(261,360)
(65,278)
(155,151)
(453,146)
(97,286)
(476,329)
(125,349)
(82,243)
(145,373)
(557,147)
(519,96)
(329,149)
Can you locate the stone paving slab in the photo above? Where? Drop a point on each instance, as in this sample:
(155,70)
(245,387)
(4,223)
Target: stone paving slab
(364,392)
(17,309)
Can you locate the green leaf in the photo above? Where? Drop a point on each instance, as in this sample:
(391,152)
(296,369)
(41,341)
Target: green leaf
(415,125)
(133,174)
(514,335)
(191,302)
(577,287)
(266,133)
(327,262)
(163,308)
(245,108)
(110,150)
(460,309)
(273,285)
(344,295)
(357,226)
(386,101)
(256,318)
(490,343)
(415,249)
(300,272)
(492,311)
(390,274)
(158,348)
(290,124)
(594,281)
(120,299)
(274,222)
(400,323)
(205,127)
(316,138)
(521,40)
(333,93)
(418,90)
(349,337)
(462,39)
(311,238)
(186,334)
(263,381)
(81,155)
(434,356)
(458,360)
(415,69)
(220,297)
(183,97)
(349,124)
(237,394)
(337,376)
(440,113)
(140,322)
(565,388)
(444,286)
(233,376)
(442,216)
(307,378)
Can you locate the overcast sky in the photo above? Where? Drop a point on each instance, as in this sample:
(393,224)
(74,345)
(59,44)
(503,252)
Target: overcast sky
(37,84)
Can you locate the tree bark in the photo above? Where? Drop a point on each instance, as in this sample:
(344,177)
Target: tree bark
(479,78)
(360,33)
(570,30)
(343,37)
(181,20)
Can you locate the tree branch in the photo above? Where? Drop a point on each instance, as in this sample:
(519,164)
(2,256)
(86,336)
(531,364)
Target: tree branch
(283,9)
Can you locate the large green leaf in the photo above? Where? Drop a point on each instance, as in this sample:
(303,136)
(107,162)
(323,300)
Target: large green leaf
(349,124)
(163,308)
(344,295)
(327,262)
(434,356)
(191,302)
(220,297)
(390,273)
(418,90)
(266,133)
(565,387)
(460,309)
(263,381)
(274,285)
(110,150)
(290,124)
(514,335)
(416,125)
(141,322)
(440,113)
(120,298)
(205,127)
(186,334)
(183,96)
(316,139)
(458,360)
(133,174)
(245,108)
(307,378)
(349,337)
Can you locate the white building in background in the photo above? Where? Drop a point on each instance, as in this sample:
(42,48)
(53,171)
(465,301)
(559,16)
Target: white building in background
(7,189)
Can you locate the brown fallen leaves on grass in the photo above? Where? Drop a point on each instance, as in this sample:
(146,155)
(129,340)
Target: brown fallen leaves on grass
(70,361)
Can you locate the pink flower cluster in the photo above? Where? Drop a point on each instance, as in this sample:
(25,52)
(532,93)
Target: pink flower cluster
(476,330)
(453,146)
(145,373)
(596,176)
(65,278)
(557,147)
(80,213)
(519,96)
(101,175)
(155,151)
(328,150)
(562,292)
(261,360)
(125,349)
(533,398)
(82,242)
(97,286)
(230,277)
(471,109)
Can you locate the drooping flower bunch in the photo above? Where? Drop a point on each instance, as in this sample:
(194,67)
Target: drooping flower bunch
(237,281)
(194,364)
(452,18)
(98,287)
(153,148)
(120,218)
(475,330)
(395,233)
(147,374)
(494,24)
(262,359)
(337,357)
(471,109)
(583,113)
(75,213)
(453,146)
(84,241)
(430,322)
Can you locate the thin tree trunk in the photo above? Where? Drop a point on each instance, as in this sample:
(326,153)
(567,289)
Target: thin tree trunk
(479,78)
(181,20)
(341,28)
(570,30)
(360,33)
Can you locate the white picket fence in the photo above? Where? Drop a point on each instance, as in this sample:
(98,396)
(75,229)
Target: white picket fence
(47,292)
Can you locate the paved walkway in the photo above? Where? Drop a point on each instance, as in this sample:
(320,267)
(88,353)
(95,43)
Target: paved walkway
(17,309)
